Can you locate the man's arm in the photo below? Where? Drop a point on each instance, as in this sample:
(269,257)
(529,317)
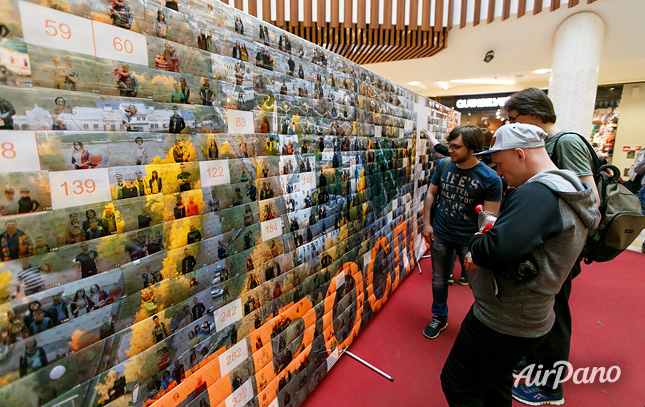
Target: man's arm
(531,216)
(589,180)
(428,232)
(492,206)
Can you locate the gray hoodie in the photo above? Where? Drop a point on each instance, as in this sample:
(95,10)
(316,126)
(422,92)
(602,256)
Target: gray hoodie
(545,221)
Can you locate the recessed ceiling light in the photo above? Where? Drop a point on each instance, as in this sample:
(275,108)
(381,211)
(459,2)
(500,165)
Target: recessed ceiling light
(414,83)
(485,81)
(541,71)
(443,85)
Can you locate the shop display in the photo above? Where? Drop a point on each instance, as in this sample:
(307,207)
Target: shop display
(197,208)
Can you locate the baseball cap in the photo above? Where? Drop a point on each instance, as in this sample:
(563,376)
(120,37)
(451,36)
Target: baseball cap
(516,135)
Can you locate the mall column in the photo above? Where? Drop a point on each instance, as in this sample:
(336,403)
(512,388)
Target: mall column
(573,83)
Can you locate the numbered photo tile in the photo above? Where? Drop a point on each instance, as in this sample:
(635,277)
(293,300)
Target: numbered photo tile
(20,311)
(265,120)
(15,61)
(182,232)
(246,145)
(262,78)
(126,14)
(144,273)
(61,151)
(231,70)
(218,197)
(212,225)
(248,99)
(186,259)
(10,26)
(230,218)
(124,79)
(269,188)
(134,181)
(166,23)
(208,119)
(183,205)
(63,70)
(213,146)
(132,148)
(169,56)
(15,103)
(24,192)
(206,35)
(54,346)
(66,110)
(92,293)
(289,145)
(210,93)
(180,148)
(175,88)
(141,243)
(140,306)
(179,177)
(268,166)
(83,260)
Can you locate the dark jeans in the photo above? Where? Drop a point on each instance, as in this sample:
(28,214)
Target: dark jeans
(557,344)
(479,368)
(443,262)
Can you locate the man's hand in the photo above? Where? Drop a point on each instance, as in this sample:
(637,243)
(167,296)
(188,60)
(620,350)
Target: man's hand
(468,262)
(428,233)
(433,140)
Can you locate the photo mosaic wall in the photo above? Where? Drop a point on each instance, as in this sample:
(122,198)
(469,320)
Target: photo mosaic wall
(198,209)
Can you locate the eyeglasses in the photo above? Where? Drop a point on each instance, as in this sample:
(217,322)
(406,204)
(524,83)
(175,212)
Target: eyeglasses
(513,118)
(454,147)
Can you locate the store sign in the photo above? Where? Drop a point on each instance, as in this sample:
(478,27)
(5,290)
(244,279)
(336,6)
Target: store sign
(481,103)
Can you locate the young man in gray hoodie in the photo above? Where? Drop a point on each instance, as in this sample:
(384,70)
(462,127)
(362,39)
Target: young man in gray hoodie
(521,265)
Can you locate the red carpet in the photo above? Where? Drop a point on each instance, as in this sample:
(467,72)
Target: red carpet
(608,327)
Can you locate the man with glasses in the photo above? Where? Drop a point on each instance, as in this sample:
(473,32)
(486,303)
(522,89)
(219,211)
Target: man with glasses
(533,106)
(457,189)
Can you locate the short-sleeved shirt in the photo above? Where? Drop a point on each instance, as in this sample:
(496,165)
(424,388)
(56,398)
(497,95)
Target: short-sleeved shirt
(572,154)
(88,264)
(460,191)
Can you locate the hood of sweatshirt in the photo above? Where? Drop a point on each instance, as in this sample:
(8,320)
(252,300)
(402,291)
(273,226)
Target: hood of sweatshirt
(577,194)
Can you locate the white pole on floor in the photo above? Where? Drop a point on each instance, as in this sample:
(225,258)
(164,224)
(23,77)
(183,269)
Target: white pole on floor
(382,373)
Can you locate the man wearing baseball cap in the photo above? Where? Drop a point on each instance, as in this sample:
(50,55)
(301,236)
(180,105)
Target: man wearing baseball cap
(521,264)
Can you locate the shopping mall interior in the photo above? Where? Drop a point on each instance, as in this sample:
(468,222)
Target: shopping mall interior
(212,203)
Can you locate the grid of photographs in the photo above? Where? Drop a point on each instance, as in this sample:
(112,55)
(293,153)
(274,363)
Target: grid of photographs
(242,203)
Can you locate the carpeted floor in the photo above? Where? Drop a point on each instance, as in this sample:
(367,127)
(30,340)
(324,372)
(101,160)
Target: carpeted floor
(608,327)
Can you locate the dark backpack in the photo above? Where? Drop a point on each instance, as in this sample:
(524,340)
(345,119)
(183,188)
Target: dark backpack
(621,214)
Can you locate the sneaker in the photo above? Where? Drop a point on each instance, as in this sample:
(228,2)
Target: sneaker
(536,396)
(462,280)
(520,366)
(451,279)
(434,327)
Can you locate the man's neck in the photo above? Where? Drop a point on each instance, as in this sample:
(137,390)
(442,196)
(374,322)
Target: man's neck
(469,163)
(550,129)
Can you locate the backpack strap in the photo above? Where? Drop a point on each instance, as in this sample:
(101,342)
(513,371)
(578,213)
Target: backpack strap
(443,164)
(594,156)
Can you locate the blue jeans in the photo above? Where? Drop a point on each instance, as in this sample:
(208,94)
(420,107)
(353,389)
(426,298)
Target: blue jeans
(443,263)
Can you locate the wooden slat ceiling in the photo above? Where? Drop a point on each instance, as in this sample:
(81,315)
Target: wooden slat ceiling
(396,32)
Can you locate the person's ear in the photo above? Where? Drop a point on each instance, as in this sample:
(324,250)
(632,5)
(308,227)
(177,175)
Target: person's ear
(520,154)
